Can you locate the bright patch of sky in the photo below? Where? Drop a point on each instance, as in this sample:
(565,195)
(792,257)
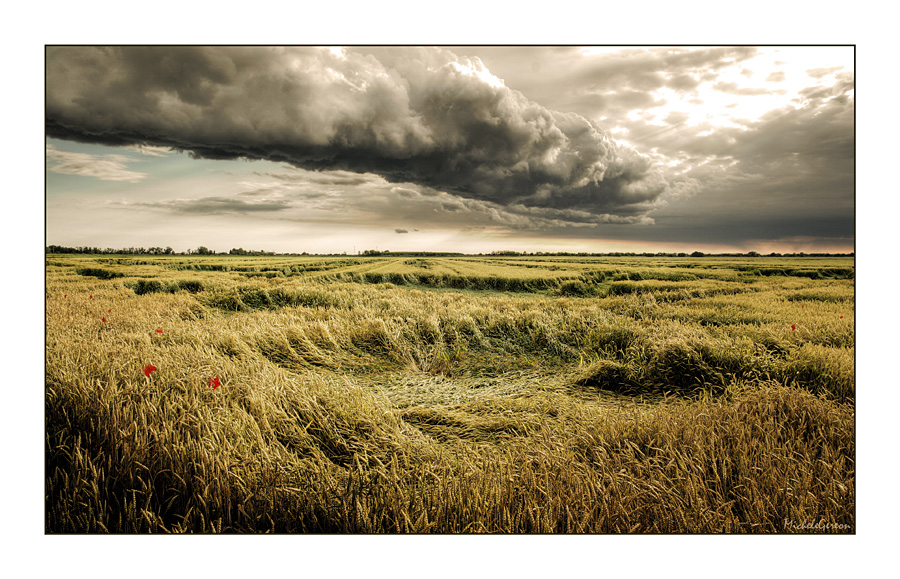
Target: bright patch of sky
(742,93)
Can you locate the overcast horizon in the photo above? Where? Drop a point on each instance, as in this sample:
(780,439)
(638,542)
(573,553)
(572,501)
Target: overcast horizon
(469,149)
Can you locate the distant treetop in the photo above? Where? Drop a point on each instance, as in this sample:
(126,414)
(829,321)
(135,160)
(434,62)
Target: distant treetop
(202,250)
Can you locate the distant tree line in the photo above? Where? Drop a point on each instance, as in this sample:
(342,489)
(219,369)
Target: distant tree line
(375,252)
(124,250)
(242,251)
(425,253)
(202,250)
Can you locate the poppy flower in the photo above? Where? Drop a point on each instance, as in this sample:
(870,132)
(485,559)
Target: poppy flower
(90,297)
(102,319)
(793,327)
(108,311)
(214,382)
(158,331)
(65,295)
(842,317)
(149,368)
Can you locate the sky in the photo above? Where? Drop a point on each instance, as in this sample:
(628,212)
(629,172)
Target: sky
(330,149)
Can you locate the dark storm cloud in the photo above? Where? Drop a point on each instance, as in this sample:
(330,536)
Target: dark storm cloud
(424,116)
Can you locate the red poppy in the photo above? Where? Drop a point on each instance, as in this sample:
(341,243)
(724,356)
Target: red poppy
(102,319)
(793,327)
(90,297)
(158,331)
(842,317)
(66,295)
(108,311)
(149,368)
(214,382)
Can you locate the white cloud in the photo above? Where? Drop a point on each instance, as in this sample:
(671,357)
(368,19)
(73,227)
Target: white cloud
(103,167)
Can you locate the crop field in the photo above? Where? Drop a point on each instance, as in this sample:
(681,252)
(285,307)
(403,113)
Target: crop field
(495,394)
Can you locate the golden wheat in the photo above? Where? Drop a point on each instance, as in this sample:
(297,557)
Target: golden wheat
(643,400)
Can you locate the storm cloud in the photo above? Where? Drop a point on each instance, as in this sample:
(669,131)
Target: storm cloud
(430,118)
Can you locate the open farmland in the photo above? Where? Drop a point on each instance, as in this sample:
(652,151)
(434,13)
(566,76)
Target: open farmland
(449,394)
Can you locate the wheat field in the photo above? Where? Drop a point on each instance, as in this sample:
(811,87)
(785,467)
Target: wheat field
(475,394)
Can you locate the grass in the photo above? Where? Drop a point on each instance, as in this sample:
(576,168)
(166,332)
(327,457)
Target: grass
(356,398)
